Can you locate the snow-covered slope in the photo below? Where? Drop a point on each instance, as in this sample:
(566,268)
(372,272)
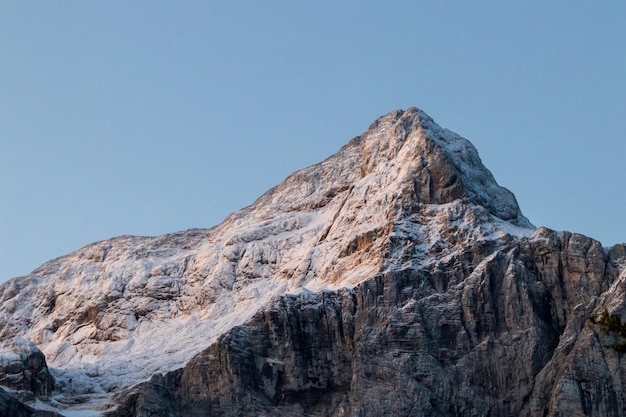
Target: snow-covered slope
(405,194)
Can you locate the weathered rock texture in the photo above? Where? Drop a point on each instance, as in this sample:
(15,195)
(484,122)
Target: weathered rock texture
(394,278)
(23,367)
(12,407)
(508,335)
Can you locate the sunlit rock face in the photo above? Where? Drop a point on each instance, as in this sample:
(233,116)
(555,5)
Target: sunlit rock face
(396,277)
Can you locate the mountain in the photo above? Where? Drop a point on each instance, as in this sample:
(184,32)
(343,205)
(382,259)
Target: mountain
(396,277)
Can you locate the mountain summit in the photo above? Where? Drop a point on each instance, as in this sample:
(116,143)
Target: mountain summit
(394,277)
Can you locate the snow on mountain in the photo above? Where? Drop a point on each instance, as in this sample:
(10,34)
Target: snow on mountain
(405,194)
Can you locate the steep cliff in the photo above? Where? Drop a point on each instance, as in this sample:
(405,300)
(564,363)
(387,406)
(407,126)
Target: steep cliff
(396,277)
(505,334)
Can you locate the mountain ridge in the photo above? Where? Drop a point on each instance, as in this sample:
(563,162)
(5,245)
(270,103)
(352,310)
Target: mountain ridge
(407,201)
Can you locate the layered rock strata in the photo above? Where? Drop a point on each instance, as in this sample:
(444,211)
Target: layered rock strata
(396,277)
(505,333)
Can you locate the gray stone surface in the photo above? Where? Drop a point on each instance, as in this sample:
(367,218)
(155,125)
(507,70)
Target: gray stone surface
(23,367)
(395,278)
(12,407)
(508,337)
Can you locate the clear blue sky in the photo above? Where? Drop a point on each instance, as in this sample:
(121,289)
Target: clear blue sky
(147,117)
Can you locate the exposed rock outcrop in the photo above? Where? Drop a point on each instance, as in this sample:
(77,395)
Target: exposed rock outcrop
(23,367)
(12,407)
(396,277)
(509,338)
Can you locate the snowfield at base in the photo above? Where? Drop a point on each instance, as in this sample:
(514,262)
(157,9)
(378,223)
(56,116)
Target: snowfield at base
(81,413)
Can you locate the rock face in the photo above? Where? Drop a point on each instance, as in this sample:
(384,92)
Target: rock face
(509,337)
(23,367)
(396,277)
(11,407)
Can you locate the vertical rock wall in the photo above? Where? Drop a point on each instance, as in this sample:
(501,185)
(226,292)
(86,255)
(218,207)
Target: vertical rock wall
(511,338)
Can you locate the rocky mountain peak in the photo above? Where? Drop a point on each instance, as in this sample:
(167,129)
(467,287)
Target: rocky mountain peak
(398,261)
(327,226)
(403,155)
(442,165)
